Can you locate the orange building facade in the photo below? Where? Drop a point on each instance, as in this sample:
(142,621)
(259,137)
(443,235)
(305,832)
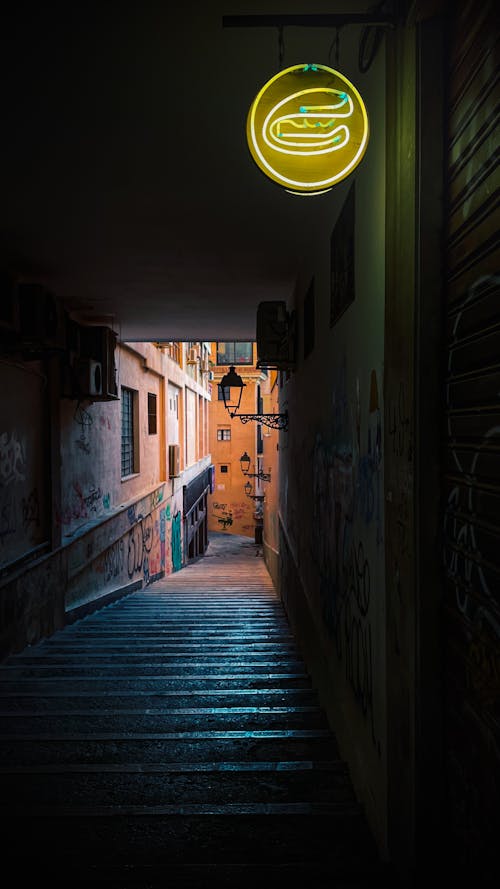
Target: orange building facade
(237,502)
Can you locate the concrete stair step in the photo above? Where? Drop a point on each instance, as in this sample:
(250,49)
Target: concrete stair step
(147,695)
(174,739)
(178,785)
(242,746)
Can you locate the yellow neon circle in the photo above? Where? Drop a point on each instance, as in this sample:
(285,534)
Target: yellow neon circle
(307,128)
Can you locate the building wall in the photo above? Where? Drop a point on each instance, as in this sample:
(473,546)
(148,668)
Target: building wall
(24,440)
(75,532)
(331,486)
(230,509)
(270,390)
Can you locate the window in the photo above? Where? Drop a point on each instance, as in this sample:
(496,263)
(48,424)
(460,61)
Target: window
(234,353)
(223,435)
(173,351)
(130,451)
(152,422)
(224,468)
(220,396)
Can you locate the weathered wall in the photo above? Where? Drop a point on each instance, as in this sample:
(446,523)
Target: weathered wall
(105,534)
(136,546)
(331,468)
(91,483)
(24,506)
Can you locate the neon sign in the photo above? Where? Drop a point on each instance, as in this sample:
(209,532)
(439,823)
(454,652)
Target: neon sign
(307,128)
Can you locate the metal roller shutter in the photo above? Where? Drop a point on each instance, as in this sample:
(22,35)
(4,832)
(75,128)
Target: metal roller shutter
(472,447)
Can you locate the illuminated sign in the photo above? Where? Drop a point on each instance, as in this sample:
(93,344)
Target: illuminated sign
(307,128)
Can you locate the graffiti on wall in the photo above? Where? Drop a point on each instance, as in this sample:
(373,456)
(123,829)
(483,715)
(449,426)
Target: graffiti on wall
(223,514)
(84,420)
(347,525)
(81,504)
(113,561)
(7,515)
(22,519)
(140,542)
(12,458)
(176,542)
(163,536)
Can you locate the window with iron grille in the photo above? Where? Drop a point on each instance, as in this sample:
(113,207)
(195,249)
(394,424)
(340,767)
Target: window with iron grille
(234,353)
(152,421)
(223,435)
(128,442)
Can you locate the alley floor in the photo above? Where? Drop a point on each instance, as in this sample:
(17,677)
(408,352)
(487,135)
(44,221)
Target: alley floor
(173,738)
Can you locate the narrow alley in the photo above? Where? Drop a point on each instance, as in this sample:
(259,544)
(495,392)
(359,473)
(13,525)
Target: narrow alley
(250,444)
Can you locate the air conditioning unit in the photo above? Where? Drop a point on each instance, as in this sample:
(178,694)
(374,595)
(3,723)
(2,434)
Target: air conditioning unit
(98,344)
(275,335)
(89,378)
(174,460)
(192,355)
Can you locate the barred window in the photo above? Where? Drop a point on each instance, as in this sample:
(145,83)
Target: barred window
(129,462)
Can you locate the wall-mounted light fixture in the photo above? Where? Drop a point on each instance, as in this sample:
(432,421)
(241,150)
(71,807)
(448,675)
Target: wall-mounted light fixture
(248,491)
(245,466)
(232,388)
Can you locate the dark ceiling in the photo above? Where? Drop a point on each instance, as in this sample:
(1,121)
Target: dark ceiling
(127,185)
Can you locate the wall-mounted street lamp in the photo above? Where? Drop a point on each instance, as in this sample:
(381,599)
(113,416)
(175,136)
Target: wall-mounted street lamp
(248,492)
(232,388)
(245,466)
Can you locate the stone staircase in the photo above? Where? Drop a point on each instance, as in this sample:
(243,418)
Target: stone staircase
(173,739)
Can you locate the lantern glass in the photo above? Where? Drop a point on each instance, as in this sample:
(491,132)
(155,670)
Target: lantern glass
(232,387)
(245,463)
